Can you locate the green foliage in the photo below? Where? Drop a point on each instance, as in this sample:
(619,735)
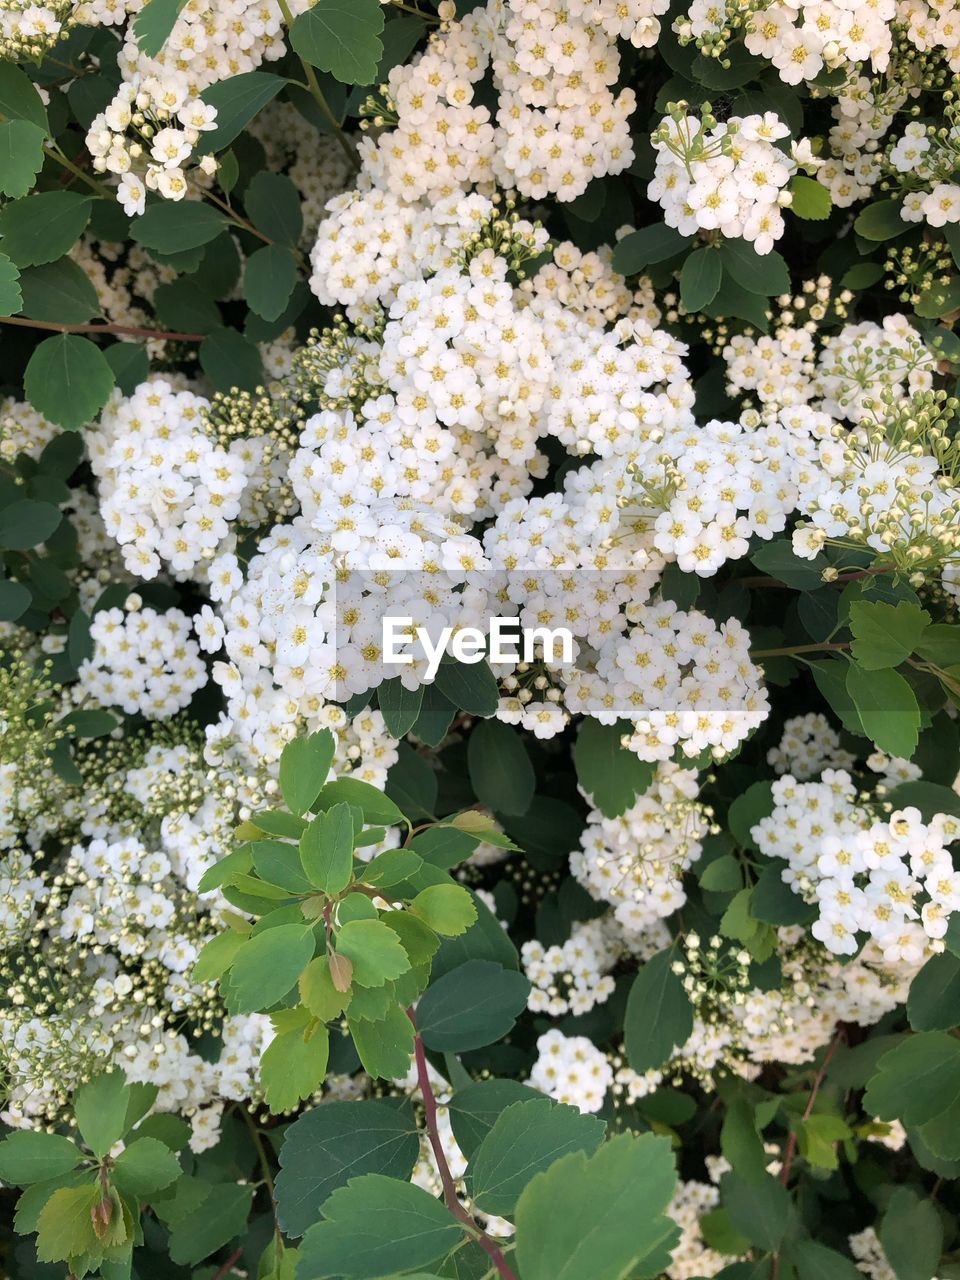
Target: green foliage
(69,380)
(612,776)
(658,1018)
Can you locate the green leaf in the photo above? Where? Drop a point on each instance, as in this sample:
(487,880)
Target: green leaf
(526,1139)
(68,380)
(759,1209)
(231,361)
(130,364)
(21,156)
(153,24)
(27,1156)
(500,769)
(887,707)
(294,1063)
(237,100)
(598,1217)
(304,765)
(777,558)
(342,37)
(447,908)
(145,1166)
(326,849)
(11,299)
(811,199)
(911,1234)
(612,776)
(267,967)
(472,1005)
(170,226)
(183,306)
(374,1226)
(375,951)
(399,706)
(221,1215)
(27,523)
(651,244)
(329,1145)
(378,809)
(764,274)
(59,291)
(884,635)
(268,280)
(659,1017)
(470,686)
(14,600)
(65,1225)
(938,299)
(272,202)
(815,1261)
(934,1000)
(881,221)
(774,902)
(100,1110)
(384,1045)
(19,99)
(43,227)
(475,1109)
(747,810)
(700,279)
(916,1080)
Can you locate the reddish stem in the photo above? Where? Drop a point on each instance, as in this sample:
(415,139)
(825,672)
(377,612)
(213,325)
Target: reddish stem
(818,1081)
(226,1267)
(450,1197)
(127,330)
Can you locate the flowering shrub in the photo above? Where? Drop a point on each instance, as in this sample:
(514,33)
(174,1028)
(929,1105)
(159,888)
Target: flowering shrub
(338,940)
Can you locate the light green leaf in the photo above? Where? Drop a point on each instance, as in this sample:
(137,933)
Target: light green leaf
(294,1063)
(267,967)
(811,199)
(100,1110)
(378,809)
(376,953)
(326,849)
(446,908)
(27,1156)
(342,37)
(887,708)
(385,1045)
(65,1226)
(153,24)
(145,1166)
(304,765)
(885,635)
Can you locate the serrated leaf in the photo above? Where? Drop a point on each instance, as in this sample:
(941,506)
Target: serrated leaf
(375,952)
(267,967)
(328,1146)
(326,849)
(100,1109)
(887,708)
(43,227)
(916,1080)
(28,1156)
(304,765)
(11,297)
(65,1226)
(526,1139)
(342,37)
(21,156)
(811,199)
(446,908)
(144,1166)
(59,291)
(884,635)
(294,1063)
(598,1218)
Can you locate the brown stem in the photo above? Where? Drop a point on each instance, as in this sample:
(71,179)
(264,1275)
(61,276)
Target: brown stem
(226,1267)
(128,330)
(818,1081)
(450,1197)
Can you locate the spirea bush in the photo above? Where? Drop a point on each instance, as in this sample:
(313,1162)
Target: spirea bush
(479,654)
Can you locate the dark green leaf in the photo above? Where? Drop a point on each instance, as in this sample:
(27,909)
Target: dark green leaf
(500,768)
(59,291)
(659,1017)
(471,1006)
(68,380)
(43,227)
(612,776)
(342,37)
(237,100)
